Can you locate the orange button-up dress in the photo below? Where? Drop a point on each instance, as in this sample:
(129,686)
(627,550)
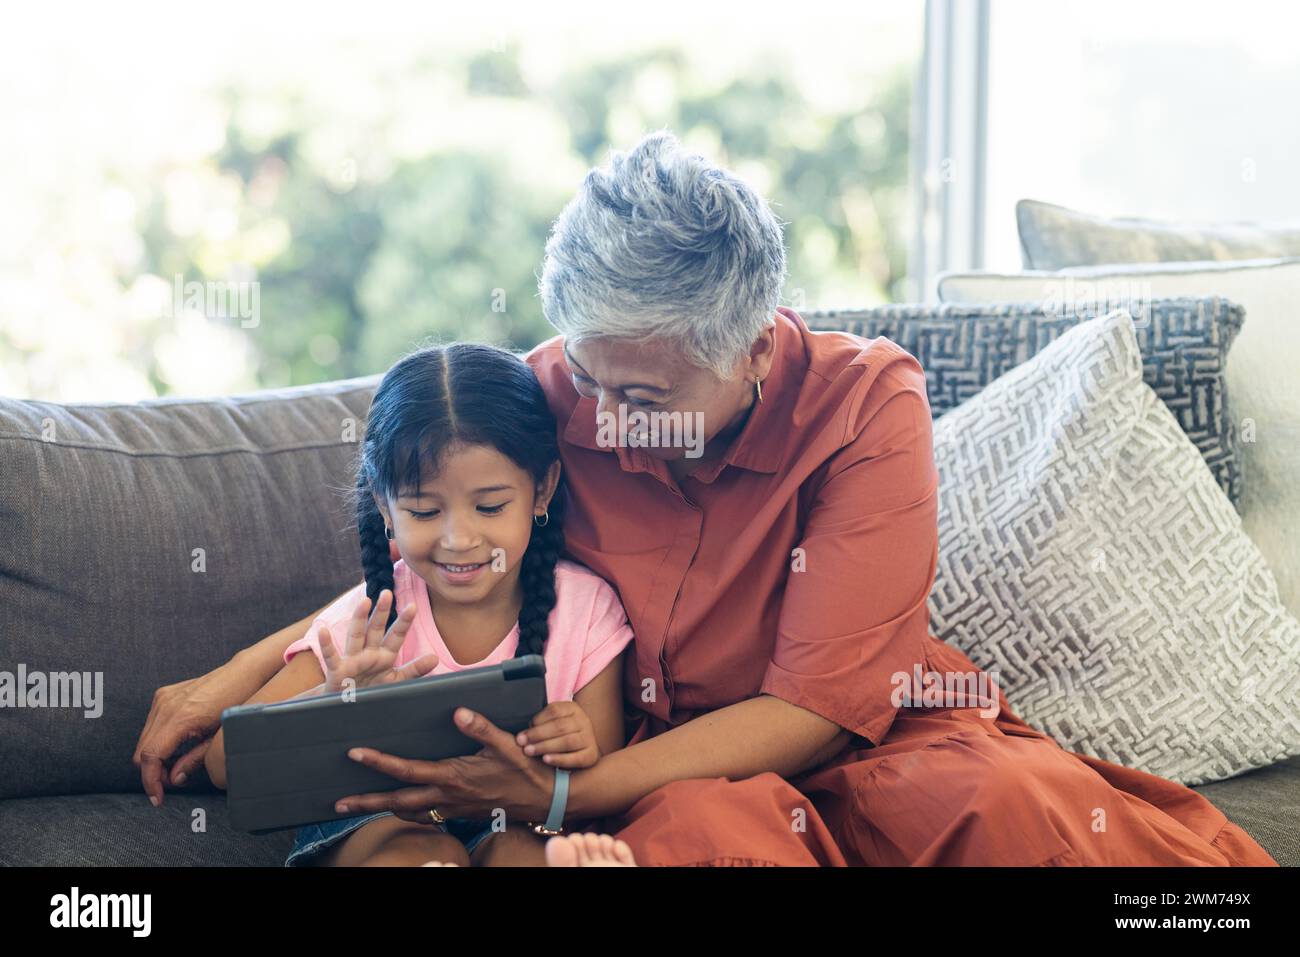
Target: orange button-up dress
(799,565)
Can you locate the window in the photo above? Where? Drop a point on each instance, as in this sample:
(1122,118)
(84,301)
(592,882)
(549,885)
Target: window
(204,201)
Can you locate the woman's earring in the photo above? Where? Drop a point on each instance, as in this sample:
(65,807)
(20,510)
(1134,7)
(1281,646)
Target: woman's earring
(758,387)
(545,515)
(388,533)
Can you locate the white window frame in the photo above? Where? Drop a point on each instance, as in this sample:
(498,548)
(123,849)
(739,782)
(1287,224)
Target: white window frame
(949,143)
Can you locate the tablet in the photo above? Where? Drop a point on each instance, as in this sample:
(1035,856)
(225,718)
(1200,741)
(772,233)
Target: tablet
(287,761)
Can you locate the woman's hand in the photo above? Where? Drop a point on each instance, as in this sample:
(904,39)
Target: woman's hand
(562,735)
(191,710)
(500,776)
(185,711)
(368,654)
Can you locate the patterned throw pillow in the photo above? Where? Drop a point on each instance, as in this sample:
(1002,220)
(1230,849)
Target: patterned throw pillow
(1053,237)
(963,347)
(1260,376)
(1089,560)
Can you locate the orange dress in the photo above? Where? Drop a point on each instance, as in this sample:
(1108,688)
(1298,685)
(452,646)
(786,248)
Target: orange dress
(799,565)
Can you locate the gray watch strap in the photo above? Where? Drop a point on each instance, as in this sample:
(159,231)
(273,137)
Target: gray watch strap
(559,800)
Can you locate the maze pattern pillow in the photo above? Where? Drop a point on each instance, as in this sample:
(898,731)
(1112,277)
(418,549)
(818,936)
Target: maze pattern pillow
(1088,559)
(1260,377)
(963,347)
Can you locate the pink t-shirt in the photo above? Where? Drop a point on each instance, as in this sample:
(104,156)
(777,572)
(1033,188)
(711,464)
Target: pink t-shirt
(587,629)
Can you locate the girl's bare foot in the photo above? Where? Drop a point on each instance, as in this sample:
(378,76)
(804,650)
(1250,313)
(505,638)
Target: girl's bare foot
(588,850)
(440,864)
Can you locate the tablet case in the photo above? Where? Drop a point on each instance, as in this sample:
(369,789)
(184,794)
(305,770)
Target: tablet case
(287,763)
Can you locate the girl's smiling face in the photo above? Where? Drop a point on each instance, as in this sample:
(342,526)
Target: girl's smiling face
(475,515)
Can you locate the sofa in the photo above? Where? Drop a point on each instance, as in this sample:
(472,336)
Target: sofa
(146,544)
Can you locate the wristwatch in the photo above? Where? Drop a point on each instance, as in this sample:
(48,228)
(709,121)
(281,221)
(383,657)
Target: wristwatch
(559,799)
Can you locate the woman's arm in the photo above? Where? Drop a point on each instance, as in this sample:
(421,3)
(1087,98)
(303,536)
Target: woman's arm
(747,738)
(299,678)
(192,709)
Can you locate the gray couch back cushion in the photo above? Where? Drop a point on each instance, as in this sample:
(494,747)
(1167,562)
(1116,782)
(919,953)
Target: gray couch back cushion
(148,543)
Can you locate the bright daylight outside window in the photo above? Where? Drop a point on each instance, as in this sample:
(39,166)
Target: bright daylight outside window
(364,184)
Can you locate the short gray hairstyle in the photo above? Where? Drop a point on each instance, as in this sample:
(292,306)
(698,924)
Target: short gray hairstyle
(660,242)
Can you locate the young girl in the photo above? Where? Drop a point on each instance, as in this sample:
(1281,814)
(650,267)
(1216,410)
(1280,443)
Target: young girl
(460,510)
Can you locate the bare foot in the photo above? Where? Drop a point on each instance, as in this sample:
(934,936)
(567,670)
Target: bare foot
(440,864)
(588,850)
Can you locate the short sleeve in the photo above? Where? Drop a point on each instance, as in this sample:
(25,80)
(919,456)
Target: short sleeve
(607,635)
(335,617)
(854,613)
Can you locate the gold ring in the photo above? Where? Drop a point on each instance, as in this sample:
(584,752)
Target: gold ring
(437,818)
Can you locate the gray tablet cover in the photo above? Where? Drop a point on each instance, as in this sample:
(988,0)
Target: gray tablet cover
(287,763)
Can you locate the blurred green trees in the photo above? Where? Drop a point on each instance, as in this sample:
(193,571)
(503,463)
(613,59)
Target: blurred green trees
(427,215)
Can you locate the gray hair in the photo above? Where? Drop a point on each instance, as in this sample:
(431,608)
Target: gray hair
(663,243)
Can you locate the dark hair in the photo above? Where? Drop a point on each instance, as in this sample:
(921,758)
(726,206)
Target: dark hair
(460,393)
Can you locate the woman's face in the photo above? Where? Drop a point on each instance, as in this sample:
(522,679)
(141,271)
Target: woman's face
(475,514)
(651,376)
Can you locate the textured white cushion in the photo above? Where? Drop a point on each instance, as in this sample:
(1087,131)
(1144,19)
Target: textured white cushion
(1262,378)
(1090,560)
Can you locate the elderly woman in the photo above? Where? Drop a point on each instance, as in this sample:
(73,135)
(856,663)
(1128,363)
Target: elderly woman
(775,572)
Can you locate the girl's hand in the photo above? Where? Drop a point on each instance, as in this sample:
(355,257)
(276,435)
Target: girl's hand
(368,655)
(562,735)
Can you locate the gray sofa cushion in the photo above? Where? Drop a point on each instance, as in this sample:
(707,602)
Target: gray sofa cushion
(103,508)
(125,830)
(1266,803)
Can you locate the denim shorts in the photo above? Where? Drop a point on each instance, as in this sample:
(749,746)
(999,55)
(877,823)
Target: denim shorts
(311,839)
